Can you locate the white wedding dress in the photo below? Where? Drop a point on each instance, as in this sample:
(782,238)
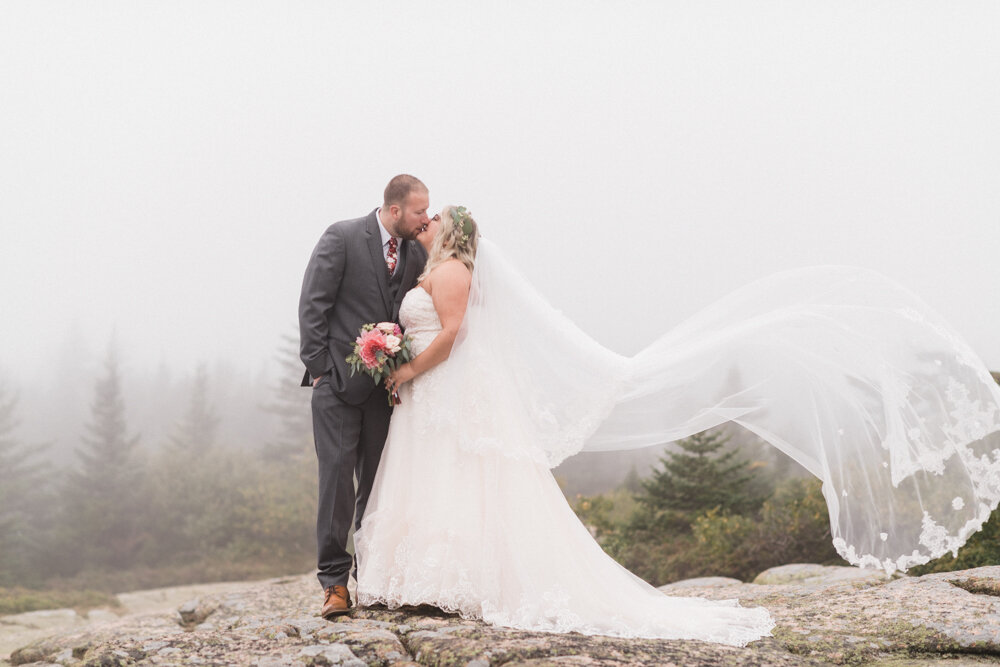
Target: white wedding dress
(845,371)
(492,537)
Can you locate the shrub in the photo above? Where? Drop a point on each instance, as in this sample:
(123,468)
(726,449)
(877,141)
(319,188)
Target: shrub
(793,526)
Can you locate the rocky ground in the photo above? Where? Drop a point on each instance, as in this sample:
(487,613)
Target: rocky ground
(825,615)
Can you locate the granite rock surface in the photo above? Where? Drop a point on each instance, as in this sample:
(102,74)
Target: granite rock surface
(824,616)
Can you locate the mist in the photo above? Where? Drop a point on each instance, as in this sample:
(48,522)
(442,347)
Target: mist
(167,168)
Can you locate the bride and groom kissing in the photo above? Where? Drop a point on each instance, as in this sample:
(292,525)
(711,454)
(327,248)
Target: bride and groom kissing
(359,273)
(474,532)
(455,504)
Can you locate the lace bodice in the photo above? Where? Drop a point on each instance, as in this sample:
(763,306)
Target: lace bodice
(419,319)
(421,323)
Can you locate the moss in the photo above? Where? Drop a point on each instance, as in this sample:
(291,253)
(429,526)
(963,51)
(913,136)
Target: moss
(893,637)
(18,600)
(978,585)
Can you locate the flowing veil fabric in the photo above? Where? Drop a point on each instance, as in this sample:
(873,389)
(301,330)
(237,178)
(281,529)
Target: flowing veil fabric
(840,368)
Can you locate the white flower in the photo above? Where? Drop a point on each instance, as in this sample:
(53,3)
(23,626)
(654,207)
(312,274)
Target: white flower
(957,503)
(388,328)
(392,343)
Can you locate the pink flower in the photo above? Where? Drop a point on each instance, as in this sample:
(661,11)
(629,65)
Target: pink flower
(370,343)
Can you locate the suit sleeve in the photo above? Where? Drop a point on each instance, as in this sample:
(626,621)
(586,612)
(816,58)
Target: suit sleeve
(320,286)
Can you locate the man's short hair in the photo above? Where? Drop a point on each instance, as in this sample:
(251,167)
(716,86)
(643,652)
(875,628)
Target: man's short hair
(399,187)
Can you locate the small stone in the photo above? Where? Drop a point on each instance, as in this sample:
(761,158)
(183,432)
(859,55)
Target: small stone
(188,610)
(336,654)
(193,612)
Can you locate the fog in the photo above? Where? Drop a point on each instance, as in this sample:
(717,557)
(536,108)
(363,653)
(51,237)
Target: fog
(166,168)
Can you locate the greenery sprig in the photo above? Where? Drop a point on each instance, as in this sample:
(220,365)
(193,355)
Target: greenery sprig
(463,224)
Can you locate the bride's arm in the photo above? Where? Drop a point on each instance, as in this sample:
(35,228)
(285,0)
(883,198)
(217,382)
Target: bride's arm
(449,284)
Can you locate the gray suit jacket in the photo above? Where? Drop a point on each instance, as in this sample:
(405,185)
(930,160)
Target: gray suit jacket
(347,285)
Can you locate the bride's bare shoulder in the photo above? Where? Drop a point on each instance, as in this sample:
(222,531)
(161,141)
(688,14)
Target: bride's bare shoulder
(451,270)
(449,276)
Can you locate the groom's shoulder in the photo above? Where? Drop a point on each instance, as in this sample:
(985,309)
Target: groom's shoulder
(351,226)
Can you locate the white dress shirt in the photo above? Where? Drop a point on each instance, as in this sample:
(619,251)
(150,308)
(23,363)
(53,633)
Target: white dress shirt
(385,239)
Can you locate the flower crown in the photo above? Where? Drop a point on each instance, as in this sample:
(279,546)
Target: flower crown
(462,219)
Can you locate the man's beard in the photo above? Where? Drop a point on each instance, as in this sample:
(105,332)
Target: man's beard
(407,235)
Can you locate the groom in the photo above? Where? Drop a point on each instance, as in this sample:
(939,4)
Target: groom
(357,274)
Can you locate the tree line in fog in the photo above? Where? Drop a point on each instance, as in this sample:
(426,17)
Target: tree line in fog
(121,512)
(108,506)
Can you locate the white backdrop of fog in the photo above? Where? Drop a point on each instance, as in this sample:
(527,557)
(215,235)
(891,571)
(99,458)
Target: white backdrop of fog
(166,168)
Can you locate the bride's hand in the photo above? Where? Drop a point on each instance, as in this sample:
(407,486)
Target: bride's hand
(403,374)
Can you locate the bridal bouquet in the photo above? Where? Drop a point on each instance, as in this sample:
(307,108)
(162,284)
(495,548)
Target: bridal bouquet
(379,350)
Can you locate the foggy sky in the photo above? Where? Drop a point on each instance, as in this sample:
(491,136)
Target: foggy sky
(166,168)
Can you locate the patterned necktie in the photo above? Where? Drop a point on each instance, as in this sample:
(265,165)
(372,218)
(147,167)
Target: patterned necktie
(391,257)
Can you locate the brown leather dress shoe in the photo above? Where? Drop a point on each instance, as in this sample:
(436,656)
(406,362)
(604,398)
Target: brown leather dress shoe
(336,603)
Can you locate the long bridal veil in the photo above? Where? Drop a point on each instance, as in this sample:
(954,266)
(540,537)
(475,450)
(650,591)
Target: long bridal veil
(840,368)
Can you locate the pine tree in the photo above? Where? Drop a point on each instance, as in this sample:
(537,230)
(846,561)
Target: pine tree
(102,508)
(291,405)
(632,482)
(700,475)
(195,433)
(22,491)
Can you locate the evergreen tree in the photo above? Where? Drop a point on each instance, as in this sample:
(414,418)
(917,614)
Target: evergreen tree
(632,482)
(195,433)
(700,475)
(291,405)
(102,508)
(22,501)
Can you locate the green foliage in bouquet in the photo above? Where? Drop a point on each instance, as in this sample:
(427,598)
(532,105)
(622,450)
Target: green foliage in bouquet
(379,350)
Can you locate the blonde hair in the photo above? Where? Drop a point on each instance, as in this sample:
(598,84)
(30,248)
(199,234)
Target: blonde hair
(457,238)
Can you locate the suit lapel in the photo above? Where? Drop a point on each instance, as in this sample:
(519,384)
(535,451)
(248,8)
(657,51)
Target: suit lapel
(378,260)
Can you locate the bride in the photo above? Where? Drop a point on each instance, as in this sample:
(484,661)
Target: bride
(841,369)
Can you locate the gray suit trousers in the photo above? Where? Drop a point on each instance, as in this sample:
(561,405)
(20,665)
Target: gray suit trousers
(349,441)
